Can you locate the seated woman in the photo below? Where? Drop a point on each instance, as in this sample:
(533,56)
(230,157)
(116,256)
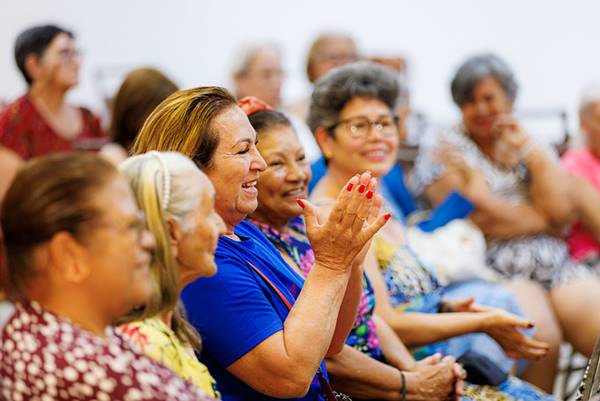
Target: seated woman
(178,201)
(351,116)
(585,163)
(370,342)
(141,91)
(265,331)
(79,257)
(522,200)
(41,122)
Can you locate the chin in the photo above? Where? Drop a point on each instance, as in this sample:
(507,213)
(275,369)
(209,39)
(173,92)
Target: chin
(210,266)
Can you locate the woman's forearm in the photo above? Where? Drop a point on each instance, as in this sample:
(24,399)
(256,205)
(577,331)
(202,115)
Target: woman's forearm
(309,328)
(361,376)
(396,354)
(416,329)
(348,311)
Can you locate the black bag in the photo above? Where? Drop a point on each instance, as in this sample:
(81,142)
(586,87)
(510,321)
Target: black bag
(481,370)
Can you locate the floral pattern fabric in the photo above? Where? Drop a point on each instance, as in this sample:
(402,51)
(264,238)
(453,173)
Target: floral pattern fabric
(155,339)
(363,335)
(45,357)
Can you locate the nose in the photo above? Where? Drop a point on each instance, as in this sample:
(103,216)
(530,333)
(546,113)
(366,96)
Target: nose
(295,173)
(257,163)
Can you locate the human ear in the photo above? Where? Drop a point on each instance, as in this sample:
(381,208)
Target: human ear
(325,142)
(175,235)
(32,66)
(68,258)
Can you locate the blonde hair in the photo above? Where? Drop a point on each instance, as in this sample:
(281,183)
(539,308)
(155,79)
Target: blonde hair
(183,123)
(161,184)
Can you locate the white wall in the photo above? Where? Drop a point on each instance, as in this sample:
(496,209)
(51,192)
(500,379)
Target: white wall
(553,45)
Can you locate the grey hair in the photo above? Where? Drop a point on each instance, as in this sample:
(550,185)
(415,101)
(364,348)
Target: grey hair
(244,54)
(334,90)
(477,68)
(590,95)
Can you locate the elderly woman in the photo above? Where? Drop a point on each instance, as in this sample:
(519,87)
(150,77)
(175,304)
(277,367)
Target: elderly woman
(521,199)
(79,259)
(41,122)
(265,331)
(351,115)
(178,201)
(585,163)
(370,341)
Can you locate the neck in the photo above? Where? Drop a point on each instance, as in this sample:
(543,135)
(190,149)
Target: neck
(167,318)
(277,222)
(336,179)
(76,309)
(50,97)
(485,143)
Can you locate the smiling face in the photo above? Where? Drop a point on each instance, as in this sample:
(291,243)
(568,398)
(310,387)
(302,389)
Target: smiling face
(350,153)
(488,102)
(235,167)
(285,178)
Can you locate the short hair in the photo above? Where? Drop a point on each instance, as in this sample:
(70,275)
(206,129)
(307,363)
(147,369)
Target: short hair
(362,79)
(141,91)
(244,54)
(35,40)
(266,120)
(145,174)
(477,68)
(49,195)
(183,123)
(316,48)
(590,95)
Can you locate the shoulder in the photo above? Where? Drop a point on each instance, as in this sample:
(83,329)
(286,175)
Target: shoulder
(13,111)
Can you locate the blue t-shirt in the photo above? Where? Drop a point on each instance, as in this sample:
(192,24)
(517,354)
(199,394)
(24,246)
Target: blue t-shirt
(236,310)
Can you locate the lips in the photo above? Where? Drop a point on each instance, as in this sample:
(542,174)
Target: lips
(377,154)
(249,187)
(299,192)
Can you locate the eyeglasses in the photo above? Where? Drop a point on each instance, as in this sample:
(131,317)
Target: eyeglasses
(266,74)
(359,127)
(68,54)
(134,225)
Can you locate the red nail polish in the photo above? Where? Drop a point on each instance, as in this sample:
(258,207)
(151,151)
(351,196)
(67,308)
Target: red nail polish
(300,203)
(369,194)
(387,216)
(361,188)
(349,187)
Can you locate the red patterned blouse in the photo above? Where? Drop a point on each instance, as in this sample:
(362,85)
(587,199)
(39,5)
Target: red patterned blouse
(24,131)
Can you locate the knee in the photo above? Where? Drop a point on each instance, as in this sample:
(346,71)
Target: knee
(549,331)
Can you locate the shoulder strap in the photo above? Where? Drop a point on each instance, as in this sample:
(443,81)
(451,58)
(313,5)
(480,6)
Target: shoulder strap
(273,286)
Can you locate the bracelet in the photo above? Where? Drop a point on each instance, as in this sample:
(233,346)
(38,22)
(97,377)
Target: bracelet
(403,385)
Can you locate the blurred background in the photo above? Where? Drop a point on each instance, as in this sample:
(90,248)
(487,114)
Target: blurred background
(552,46)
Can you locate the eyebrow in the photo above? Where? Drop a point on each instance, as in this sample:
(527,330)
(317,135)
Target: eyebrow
(245,140)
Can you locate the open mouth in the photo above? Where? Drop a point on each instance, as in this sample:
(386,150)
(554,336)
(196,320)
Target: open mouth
(376,154)
(299,192)
(250,187)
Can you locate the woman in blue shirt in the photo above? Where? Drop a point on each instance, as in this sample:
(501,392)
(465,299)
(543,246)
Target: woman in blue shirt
(265,330)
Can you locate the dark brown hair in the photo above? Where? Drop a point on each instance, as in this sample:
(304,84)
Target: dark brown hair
(50,194)
(141,91)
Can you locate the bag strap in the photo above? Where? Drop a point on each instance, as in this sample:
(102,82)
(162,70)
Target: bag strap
(327,390)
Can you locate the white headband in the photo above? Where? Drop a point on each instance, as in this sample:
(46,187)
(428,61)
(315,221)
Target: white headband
(166,178)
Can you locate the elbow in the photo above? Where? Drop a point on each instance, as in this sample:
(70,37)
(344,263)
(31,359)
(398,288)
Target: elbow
(293,386)
(335,348)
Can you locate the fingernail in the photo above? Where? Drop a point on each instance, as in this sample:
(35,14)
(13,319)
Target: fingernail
(300,203)
(369,194)
(349,187)
(530,325)
(387,216)
(361,188)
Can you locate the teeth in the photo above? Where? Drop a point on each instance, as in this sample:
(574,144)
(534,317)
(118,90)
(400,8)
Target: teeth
(249,184)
